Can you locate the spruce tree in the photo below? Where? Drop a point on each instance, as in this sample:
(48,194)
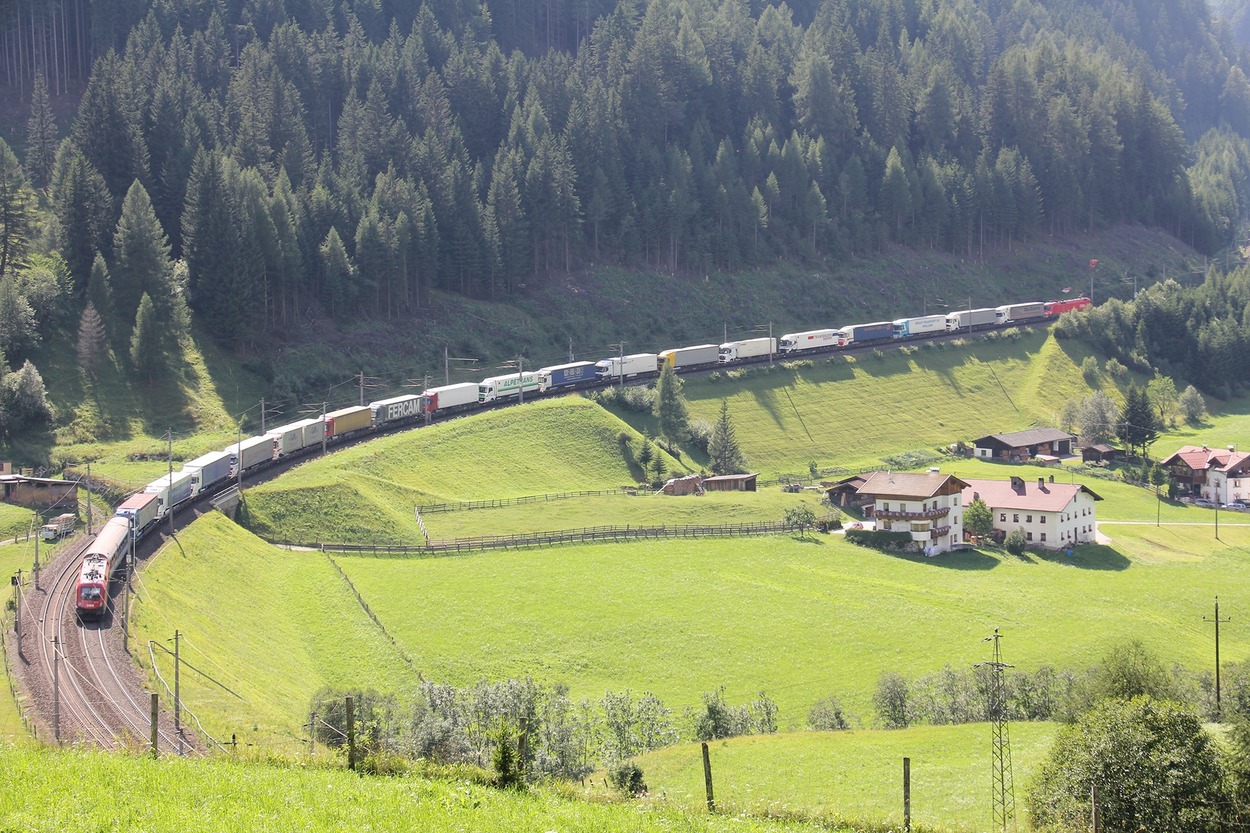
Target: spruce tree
(16,211)
(1139,426)
(140,256)
(100,293)
(670,407)
(726,455)
(146,356)
(91,338)
(17,319)
(40,135)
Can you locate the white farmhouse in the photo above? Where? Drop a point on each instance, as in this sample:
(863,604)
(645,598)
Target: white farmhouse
(1052,515)
(1215,474)
(928,506)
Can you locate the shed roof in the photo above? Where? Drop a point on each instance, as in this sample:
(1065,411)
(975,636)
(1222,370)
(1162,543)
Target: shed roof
(1031,436)
(730,478)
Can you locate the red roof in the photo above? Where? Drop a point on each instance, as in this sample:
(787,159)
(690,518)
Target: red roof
(901,484)
(1024,494)
(1202,458)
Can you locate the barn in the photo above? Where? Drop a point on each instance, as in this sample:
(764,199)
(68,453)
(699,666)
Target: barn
(1022,446)
(730,483)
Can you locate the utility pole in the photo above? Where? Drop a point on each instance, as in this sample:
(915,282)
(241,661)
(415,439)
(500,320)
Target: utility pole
(520,379)
(1004,795)
(37,559)
(1218,710)
(88,498)
(323,428)
(446,366)
(621,366)
(362,387)
(177,697)
(571,359)
(155,724)
(56,687)
(351,735)
(170,482)
(17,608)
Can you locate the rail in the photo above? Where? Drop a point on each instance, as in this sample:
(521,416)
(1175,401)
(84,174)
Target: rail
(525,540)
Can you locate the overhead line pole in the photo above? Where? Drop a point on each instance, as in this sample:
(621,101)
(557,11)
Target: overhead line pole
(1217,620)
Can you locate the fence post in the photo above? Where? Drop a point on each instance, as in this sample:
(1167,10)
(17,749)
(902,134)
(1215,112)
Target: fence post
(906,795)
(707,779)
(351,735)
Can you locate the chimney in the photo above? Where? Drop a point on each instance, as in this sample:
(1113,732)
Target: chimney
(1017,483)
(1052,478)
(1041,482)
(976,495)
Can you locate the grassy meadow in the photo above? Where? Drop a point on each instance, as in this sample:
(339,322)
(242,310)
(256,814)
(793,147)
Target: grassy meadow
(271,625)
(46,791)
(853,777)
(367,493)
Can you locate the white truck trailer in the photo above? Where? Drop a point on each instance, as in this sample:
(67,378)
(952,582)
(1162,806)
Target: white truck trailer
(752,348)
(627,367)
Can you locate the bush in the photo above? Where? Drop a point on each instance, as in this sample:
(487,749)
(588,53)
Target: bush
(827,716)
(700,434)
(1155,766)
(627,777)
(891,701)
(1016,541)
(1089,370)
(1115,369)
(878,539)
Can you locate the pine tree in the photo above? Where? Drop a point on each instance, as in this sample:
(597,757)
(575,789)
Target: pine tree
(140,256)
(17,319)
(726,455)
(40,135)
(670,407)
(146,355)
(91,338)
(100,292)
(16,206)
(1139,426)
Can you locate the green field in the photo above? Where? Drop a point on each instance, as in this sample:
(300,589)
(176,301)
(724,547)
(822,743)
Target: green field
(272,626)
(853,776)
(367,494)
(44,791)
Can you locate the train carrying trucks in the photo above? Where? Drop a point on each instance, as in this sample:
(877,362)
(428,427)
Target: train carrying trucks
(967,319)
(565,375)
(506,387)
(1015,313)
(395,408)
(58,527)
(110,549)
(170,490)
(752,348)
(451,397)
(140,510)
(287,439)
(207,470)
(346,421)
(251,452)
(861,333)
(627,367)
(924,325)
(682,358)
(807,340)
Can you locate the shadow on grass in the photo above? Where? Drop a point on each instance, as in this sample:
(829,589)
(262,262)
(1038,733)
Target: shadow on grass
(956,560)
(1086,557)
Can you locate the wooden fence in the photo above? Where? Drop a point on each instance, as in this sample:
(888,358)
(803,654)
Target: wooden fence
(512,501)
(585,535)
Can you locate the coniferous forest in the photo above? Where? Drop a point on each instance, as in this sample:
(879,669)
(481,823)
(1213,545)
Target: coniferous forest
(245,162)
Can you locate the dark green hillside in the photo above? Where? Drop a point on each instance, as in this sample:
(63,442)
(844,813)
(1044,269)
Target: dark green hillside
(366,182)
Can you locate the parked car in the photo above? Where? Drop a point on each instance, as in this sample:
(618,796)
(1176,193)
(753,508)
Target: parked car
(1204,503)
(1236,504)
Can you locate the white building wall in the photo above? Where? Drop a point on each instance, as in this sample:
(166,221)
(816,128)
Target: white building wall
(1076,523)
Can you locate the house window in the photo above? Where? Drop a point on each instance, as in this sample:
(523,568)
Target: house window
(902,507)
(1015,517)
(956,520)
(1028,536)
(885,507)
(1002,517)
(957,496)
(1028,519)
(1043,536)
(1043,519)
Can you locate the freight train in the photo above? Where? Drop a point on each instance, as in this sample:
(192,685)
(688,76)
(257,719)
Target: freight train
(142,512)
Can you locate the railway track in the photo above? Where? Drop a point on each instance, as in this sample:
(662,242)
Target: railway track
(81,683)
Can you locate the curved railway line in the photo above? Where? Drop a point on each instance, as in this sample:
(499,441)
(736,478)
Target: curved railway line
(83,686)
